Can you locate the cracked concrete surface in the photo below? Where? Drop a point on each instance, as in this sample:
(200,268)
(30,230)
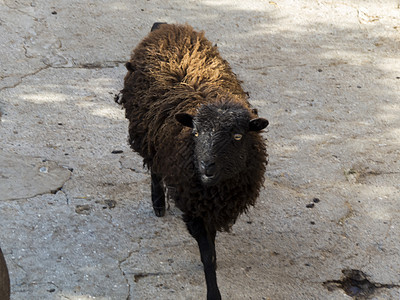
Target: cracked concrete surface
(25,177)
(324,73)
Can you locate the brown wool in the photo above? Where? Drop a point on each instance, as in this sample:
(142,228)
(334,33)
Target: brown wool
(176,70)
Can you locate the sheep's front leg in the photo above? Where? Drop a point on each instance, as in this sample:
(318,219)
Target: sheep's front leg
(157,195)
(4,278)
(206,240)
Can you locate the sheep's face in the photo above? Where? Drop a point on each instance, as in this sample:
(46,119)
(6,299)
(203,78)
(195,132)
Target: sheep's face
(223,142)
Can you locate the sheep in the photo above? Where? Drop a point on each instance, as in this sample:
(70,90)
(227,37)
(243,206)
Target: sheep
(4,278)
(191,121)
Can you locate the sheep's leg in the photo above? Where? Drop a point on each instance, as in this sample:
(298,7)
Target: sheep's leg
(157,195)
(206,240)
(4,278)
(213,234)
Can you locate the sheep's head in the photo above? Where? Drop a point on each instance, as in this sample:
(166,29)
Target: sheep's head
(224,139)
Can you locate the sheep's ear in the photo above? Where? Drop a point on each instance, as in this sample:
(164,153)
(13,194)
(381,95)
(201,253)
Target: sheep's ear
(157,25)
(185,119)
(258,124)
(129,66)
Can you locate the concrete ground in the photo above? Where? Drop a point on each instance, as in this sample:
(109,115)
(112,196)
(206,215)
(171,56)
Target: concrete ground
(75,214)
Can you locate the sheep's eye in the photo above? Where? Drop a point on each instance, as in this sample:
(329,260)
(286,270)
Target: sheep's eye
(237,136)
(196,133)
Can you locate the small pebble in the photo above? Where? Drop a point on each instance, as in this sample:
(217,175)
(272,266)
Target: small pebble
(310,205)
(117,151)
(315,200)
(43,170)
(110,203)
(82,209)
(69,168)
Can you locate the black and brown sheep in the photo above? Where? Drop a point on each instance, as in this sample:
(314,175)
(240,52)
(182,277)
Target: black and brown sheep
(4,279)
(190,120)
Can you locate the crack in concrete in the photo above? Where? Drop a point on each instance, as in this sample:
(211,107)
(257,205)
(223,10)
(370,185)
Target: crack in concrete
(94,65)
(26,51)
(61,188)
(35,169)
(120,262)
(20,79)
(20,11)
(52,192)
(138,276)
(65,193)
(43,24)
(349,214)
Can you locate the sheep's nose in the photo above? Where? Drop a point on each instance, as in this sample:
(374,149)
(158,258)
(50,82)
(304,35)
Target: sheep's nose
(208,168)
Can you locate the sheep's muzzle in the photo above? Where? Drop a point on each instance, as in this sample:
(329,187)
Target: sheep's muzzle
(208,172)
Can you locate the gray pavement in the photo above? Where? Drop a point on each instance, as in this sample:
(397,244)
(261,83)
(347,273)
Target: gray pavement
(75,218)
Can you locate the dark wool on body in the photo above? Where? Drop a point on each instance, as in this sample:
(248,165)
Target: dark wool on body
(190,120)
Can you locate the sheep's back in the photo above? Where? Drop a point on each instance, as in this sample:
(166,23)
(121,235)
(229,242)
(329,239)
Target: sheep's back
(176,54)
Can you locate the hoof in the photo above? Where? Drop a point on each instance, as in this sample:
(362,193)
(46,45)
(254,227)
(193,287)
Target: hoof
(159,211)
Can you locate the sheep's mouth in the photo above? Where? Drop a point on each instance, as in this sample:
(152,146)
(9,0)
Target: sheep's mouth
(209,179)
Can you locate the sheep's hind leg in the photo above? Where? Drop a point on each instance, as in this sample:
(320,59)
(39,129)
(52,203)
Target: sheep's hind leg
(206,240)
(157,195)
